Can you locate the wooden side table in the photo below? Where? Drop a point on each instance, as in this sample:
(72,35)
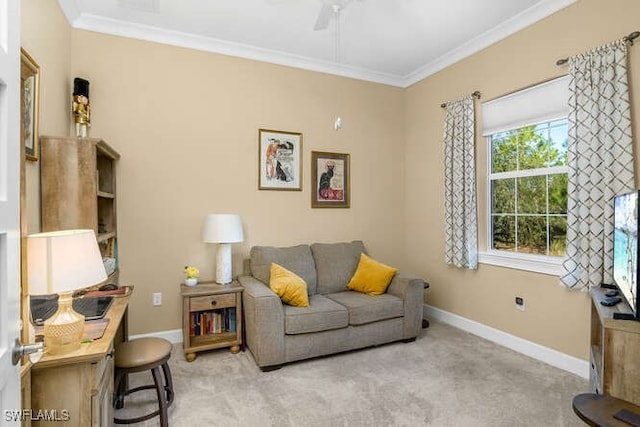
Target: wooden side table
(603,410)
(211,317)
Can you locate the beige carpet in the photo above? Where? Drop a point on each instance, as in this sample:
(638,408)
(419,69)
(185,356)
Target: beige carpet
(446,378)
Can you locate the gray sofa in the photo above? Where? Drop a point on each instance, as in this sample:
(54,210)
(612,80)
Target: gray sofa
(337,319)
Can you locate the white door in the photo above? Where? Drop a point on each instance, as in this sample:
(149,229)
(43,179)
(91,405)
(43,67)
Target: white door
(10,146)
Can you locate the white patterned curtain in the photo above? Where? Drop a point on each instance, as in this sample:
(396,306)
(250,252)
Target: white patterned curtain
(461,227)
(600,161)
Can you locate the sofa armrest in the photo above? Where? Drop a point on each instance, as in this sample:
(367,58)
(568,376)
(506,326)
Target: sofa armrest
(411,290)
(264,322)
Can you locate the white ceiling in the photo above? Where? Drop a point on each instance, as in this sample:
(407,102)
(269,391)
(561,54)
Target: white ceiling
(395,42)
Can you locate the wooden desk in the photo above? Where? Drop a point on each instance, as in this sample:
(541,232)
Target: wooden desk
(598,409)
(79,385)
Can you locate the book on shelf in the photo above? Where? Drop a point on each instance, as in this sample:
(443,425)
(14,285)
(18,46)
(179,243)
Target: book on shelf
(212,322)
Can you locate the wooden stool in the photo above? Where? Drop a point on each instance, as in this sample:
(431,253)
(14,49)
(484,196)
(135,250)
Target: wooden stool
(140,355)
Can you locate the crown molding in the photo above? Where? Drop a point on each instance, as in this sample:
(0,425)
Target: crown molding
(176,38)
(70,9)
(100,24)
(511,26)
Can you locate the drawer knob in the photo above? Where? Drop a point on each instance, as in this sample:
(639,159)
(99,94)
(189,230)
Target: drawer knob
(214,302)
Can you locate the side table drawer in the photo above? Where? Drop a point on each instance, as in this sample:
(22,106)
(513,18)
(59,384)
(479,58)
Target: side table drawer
(211,302)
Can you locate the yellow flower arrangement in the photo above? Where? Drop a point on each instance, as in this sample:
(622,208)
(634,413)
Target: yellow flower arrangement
(191,272)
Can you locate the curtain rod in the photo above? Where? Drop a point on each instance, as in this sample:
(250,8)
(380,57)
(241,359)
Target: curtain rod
(630,38)
(475,94)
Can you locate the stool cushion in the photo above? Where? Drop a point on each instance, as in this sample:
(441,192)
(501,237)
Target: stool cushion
(141,352)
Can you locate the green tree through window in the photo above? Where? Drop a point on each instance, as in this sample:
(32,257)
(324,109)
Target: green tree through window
(528,182)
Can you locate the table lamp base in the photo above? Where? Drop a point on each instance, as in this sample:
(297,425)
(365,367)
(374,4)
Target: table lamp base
(63,331)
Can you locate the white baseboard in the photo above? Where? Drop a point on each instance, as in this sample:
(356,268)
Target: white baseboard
(544,354)
(174,336)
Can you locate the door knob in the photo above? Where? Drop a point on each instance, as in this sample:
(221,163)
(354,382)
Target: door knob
(33,350)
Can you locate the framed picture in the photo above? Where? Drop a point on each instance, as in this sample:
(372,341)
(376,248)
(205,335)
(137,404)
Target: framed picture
(30,88)
(330,176)
(280,160)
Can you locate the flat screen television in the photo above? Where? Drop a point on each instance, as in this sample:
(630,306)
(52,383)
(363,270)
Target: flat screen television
(625,250)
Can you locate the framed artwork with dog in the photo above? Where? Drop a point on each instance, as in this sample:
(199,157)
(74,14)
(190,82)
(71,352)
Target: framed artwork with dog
(330,176)
(280,160)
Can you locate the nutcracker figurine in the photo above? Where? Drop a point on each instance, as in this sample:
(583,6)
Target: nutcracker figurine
(81,108)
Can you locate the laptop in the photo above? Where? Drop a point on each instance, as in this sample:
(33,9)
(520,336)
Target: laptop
(44,306)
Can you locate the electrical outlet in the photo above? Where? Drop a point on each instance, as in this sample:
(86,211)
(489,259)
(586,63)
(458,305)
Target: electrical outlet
(520,303)
(157,298)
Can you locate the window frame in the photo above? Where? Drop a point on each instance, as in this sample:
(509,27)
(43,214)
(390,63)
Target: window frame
(538,103)
(544,264)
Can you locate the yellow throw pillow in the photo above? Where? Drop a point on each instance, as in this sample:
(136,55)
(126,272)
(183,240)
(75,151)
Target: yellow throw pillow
(371,277)
(291,288)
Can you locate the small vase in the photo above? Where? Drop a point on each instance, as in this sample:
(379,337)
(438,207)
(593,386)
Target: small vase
(191,281)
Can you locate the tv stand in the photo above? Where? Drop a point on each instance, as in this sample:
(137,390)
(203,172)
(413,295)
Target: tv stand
(615,346)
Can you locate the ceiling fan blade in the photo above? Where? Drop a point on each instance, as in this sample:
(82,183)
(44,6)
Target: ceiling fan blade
(324,17)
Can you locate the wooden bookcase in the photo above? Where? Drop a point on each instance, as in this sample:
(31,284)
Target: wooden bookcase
(78,190)
(615,351)
(212,317)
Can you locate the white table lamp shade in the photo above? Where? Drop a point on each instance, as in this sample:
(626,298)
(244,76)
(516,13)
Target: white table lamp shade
(63,261)
(223,229)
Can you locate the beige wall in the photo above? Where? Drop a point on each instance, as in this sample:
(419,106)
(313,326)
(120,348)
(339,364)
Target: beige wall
(46,36)
(186,124)
(554,317)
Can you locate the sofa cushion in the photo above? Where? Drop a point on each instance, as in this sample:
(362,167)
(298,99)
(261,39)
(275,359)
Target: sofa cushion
(365,308)
(290,287)
(371,277)
(335,264)
(297,259)
(322,314)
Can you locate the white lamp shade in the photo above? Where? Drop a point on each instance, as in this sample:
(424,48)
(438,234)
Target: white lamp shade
(222,228)
(63,261)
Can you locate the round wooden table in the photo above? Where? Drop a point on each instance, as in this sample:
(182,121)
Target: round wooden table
(602,410)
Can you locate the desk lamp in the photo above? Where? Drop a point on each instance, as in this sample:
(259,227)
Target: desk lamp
(223,229)
(61,262)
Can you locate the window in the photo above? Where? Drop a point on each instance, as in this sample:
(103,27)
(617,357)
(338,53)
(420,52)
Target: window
(527,135)
(528,189)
